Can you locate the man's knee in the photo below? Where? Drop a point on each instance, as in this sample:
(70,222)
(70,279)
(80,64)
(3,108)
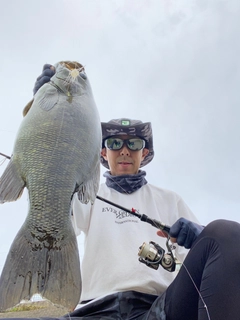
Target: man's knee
(220,229)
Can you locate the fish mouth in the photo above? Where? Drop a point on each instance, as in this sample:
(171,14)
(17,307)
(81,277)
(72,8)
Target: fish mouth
(67,84)
(71,65)
(66,80)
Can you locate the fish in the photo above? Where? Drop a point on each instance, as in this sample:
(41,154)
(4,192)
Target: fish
(55,155)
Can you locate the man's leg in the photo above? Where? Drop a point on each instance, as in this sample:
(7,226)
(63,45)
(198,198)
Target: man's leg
(213,266)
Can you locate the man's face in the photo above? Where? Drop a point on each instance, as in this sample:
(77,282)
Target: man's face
(124,161)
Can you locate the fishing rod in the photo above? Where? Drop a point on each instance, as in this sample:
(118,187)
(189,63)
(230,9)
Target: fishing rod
(4,155)
(143,217)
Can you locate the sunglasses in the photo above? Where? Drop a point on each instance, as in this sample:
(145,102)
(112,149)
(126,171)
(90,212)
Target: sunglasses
(134,144)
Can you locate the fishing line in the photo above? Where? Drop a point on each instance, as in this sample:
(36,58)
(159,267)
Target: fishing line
(4,159)
(199,293)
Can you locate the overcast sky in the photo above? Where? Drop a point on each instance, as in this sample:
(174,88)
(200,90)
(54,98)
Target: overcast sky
(174,63)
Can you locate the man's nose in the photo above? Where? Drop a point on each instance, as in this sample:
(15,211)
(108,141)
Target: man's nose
(125,151)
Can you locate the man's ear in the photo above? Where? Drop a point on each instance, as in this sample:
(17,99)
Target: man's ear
(104,154)
(145,153)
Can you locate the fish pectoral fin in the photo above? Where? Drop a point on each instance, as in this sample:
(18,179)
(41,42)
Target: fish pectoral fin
(49,99)
(87,191)
(11,183)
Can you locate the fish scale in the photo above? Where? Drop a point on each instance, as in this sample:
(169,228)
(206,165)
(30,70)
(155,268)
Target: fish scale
(56,153)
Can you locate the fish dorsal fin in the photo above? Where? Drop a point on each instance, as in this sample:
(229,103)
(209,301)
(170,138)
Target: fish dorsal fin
(28,107)
(49,98)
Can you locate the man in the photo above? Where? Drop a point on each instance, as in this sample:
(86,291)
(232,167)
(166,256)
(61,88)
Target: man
(115,284)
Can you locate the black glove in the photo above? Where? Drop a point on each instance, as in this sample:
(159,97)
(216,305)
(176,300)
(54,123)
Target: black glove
(47,73)
(185,231)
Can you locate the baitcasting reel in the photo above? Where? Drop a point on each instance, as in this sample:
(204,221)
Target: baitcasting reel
(152,255)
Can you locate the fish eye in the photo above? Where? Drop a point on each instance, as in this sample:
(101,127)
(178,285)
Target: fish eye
(83,75)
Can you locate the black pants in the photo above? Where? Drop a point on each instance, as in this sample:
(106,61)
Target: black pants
(214,265)
(207,287)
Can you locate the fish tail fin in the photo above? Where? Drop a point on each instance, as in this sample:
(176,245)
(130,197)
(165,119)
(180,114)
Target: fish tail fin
(88,190)
(43,268)
(11,183)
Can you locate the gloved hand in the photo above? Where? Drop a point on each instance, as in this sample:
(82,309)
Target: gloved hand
(185,231)
(47,72)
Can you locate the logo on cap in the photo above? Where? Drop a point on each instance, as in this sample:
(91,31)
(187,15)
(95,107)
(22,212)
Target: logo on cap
(125,122)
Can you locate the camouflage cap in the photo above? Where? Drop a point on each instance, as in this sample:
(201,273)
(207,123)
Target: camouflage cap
(129,127)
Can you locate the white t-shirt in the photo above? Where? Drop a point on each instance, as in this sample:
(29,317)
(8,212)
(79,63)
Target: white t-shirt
(113,237)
